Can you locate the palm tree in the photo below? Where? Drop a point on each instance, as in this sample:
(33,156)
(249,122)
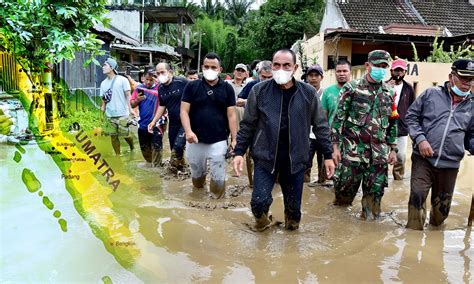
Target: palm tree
(237,11)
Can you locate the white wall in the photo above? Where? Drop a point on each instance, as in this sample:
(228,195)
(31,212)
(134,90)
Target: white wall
(126,21)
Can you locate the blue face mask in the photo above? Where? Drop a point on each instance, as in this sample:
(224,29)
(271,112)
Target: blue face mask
(460,93)
(377,73)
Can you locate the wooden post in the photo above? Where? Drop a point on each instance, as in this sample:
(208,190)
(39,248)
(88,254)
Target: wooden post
(471,214)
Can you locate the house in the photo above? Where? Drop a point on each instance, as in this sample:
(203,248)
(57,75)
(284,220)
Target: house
(350,29)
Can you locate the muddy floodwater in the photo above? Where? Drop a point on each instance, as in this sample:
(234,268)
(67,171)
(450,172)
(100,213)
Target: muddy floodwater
(184,236)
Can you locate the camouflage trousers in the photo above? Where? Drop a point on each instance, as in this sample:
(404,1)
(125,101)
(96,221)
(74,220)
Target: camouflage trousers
(423,178)
(348,178)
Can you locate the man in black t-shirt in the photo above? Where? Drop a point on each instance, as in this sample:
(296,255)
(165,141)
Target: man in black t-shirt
(170,92)
(207,116)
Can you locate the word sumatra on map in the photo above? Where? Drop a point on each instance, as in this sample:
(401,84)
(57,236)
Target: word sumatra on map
(101,164)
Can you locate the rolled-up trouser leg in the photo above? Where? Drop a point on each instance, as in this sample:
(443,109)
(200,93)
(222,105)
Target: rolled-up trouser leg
(442,194)
(216,154)
(347,181)
(196,155)
(374,182)
(262,191)
(399,167)
(420,183)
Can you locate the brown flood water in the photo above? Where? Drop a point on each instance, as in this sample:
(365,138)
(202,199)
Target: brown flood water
(192,238)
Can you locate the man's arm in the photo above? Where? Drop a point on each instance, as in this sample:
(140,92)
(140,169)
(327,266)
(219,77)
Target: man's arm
(159,113)
(136,99)
(232,119)
(321,129)
(102,106)
(127,97)
(248,125)
(186,123)
(414,120)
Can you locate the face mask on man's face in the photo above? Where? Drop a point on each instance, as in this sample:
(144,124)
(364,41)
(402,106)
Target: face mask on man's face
(163,78)
(377,73)
(210,75)
(282,77)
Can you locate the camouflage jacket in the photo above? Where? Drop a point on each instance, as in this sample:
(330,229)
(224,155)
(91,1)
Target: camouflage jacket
(362,128)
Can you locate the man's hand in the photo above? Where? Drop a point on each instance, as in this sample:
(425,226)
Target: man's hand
(330,167)
(150,126)
(336,154)
(191,137)
(238,164)
(425,149)
(392,158)
(240,102)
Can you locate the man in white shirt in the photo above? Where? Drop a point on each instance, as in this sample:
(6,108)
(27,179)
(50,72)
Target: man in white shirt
(115,94)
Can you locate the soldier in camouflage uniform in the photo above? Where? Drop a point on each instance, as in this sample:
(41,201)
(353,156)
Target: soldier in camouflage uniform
(365,132)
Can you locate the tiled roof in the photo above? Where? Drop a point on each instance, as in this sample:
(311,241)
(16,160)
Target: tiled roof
(368,15)
(456,15)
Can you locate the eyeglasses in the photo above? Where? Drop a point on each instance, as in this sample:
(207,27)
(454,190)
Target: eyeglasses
(464,80)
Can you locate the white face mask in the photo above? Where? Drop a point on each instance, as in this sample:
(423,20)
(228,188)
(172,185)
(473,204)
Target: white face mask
(210,74)
(163,78)
(282,77)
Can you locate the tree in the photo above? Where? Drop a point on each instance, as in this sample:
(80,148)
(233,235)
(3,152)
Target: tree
(237,11)
(42,33)
(45,32)
(279,23)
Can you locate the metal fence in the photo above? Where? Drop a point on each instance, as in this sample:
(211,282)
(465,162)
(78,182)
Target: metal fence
(9,82)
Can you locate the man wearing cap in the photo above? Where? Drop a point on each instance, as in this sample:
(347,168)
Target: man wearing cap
(115,94)
(365,137)
(404,97)
(238,83)
(438,122)
(314,76)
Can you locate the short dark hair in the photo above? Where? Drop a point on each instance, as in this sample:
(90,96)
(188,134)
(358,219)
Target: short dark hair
(191,72)
(212,55)
(254,64)
(344,62)
(286,50)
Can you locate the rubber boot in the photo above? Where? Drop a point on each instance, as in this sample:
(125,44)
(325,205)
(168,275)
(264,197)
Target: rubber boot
(370,207)
(156,158)
(291,225)
(217,189)
(263,223)
(398,171)
(199,182)
(416,217)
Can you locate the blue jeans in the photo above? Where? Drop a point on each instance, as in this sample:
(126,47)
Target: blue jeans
(177,139)
(291,187)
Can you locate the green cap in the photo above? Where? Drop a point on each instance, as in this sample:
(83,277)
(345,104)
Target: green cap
(379,56)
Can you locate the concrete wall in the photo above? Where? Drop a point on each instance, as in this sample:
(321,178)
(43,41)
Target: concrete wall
(126,21)
(332,17)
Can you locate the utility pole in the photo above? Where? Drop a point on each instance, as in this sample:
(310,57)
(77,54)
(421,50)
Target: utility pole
(199,51)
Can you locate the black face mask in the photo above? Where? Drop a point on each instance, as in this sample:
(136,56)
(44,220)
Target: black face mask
(397,78)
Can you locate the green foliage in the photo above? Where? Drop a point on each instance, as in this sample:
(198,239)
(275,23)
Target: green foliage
(48,31)
(279,23)
(87,119)
(216,37)
(439,54)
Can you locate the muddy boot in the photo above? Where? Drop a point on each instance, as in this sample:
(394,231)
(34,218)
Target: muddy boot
(199,182)
(398,171)
(262,223)
(291,225)
(156,158)
(217,189)
(416,217)
(307,175)
(370,207)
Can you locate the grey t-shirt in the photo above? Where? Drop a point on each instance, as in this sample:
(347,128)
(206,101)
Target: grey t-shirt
(118,105)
